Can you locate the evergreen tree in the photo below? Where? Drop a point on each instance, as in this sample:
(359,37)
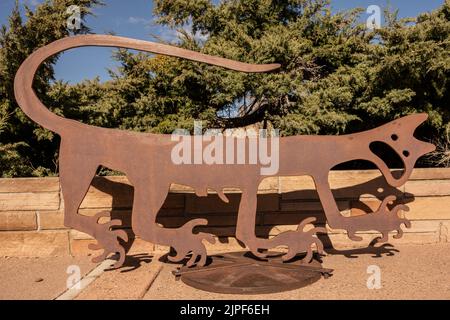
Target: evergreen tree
(336,77)
(26,148)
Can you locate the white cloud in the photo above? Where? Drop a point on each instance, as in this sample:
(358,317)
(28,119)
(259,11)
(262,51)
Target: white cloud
(33,3)
(138,20)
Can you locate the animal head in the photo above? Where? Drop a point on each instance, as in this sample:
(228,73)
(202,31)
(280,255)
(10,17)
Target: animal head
(399,136)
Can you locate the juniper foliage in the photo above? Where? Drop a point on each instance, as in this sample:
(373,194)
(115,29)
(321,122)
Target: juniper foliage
(336,77)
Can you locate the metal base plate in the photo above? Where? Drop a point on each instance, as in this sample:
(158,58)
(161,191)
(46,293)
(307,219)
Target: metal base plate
(242,273)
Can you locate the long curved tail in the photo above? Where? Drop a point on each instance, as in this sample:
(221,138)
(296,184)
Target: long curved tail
(37,111)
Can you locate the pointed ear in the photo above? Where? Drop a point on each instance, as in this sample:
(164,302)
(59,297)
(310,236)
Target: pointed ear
(409,123)
(418,118)
(412,120)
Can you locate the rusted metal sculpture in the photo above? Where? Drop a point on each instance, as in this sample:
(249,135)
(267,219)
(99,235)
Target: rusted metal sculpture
(146,160)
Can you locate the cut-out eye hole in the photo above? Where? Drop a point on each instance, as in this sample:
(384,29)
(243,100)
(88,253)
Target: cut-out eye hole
(394,137)
(406,153)
(387,154)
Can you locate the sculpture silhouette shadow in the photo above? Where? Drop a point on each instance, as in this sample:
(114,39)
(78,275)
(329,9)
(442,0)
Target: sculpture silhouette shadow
(376,251)
(349,198)
(165,259)
(132,262)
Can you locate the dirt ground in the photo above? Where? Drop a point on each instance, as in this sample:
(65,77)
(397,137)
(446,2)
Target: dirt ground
(407,272)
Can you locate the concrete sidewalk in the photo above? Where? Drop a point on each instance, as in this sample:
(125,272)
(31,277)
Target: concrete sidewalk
(39,278)
(414,272)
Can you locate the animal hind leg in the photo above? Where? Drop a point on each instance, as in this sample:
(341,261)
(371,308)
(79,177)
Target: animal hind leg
(75,177)
(245,228)
(148,199)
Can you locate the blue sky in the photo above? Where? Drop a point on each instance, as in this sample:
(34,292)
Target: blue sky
(133,18)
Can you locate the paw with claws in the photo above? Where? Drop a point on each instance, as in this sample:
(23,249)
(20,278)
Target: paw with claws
(108,239)
(187,241)
(384,220)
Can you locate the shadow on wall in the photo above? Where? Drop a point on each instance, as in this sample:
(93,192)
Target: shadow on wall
(287,209)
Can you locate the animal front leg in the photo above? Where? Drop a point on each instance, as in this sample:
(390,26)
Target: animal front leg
(107,238)
(383,220)
(146,206)
(299,241)
(75,181)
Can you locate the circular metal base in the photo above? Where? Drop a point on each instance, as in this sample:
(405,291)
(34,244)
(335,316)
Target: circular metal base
(242,273)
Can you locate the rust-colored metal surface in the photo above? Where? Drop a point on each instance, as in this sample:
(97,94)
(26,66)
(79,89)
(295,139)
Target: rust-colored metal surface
(146,160)
(239,273)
